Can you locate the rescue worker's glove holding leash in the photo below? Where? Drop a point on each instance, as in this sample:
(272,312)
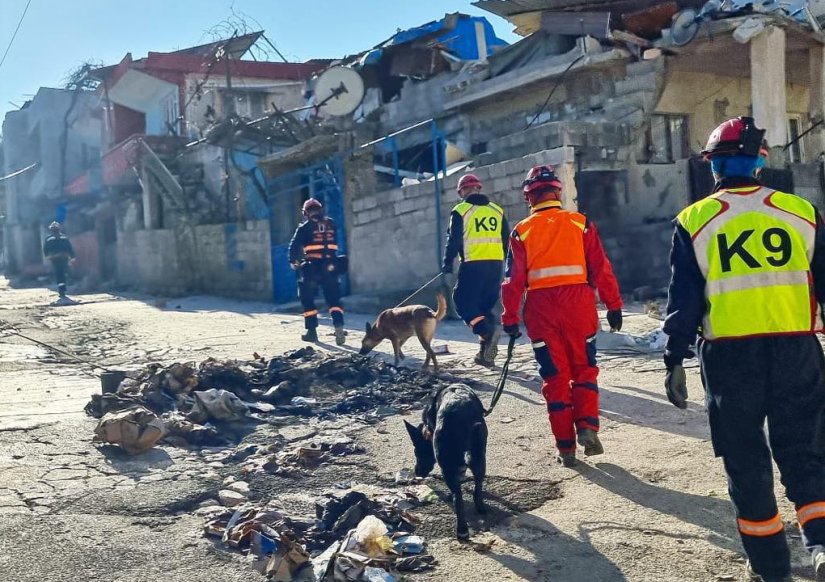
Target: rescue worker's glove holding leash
(676,380)
(512,330)
(614,319)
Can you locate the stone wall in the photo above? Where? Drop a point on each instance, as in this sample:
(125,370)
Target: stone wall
(394,242)
(231,260)
(394,237)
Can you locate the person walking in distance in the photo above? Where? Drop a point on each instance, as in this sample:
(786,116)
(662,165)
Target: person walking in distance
(556,259)
(748,276)
(58,250)
(313,252)
(478,234)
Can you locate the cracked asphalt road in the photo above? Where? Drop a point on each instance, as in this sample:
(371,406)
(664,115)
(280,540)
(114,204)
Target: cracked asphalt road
(653,508)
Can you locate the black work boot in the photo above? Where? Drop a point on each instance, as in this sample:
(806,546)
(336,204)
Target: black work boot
(491,346)
(340,335)
(482,348)
(567,459)
(311,335)
(754,577)
(589,439)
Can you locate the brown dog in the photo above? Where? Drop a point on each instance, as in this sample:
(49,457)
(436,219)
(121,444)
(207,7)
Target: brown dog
(401,323)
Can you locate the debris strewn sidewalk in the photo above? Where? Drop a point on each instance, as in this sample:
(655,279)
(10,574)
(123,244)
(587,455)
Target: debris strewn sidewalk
(197,400)
(358,534)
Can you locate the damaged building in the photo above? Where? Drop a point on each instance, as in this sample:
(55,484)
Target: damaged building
(51,171)
(619,95)
(204,156)
(182,133)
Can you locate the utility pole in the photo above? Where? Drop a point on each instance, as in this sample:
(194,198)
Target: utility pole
(228,114)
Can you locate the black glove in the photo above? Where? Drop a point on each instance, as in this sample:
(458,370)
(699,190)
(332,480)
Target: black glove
(614,319)
(512,330)
(676,386)
(675,379)
(446,269)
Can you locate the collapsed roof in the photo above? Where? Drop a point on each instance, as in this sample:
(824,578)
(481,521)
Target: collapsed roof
(647,19)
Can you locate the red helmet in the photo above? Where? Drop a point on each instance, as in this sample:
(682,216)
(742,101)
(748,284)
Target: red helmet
(468,181)
(539,181)
(311,204)
(736,137)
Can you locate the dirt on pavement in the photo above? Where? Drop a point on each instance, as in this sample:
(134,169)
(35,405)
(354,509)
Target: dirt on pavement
(653,507)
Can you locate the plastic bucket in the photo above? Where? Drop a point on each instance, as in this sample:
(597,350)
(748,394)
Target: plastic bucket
(110,381)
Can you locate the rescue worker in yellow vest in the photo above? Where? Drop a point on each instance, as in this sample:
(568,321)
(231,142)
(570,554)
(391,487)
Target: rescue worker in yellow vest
(478,234)
(313,252)
(748,275)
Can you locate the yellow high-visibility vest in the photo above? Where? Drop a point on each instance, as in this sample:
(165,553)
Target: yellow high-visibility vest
(482,231)
(754,247)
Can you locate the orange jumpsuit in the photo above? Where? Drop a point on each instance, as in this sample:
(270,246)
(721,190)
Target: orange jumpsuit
(557,257)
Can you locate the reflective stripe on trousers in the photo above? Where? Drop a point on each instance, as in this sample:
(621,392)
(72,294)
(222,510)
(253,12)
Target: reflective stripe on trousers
(764,528)
(811,511)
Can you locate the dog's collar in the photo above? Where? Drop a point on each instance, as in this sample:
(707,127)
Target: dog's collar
(432,409)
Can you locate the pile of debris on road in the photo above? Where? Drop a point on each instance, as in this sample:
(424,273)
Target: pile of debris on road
(357,534)
(198,403)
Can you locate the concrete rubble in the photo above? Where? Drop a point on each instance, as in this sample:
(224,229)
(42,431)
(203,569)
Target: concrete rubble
(210,402)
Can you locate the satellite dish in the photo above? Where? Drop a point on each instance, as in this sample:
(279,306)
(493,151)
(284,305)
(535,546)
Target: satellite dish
(339,91)
(684,26)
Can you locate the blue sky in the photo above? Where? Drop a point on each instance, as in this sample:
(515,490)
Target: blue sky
(58,35)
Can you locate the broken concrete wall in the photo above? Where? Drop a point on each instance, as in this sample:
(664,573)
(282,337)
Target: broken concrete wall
(709,99)
(231,260)
(393,238)
(573,98)
(808,182)
(253,98)
(614,90)
(633,209)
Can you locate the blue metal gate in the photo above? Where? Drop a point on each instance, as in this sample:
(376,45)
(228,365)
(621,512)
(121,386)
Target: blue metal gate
(325,182)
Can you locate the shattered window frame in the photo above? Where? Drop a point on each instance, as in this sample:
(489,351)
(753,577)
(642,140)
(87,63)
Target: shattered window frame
(796,151)
(667,138)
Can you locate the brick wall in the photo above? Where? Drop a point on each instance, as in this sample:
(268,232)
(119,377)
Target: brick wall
(231,260)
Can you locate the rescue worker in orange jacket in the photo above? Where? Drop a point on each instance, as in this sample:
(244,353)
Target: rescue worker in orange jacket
(748,275)
(557,257)
(313,252)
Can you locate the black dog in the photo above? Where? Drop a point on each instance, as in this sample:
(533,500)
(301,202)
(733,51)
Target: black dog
(453,432)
